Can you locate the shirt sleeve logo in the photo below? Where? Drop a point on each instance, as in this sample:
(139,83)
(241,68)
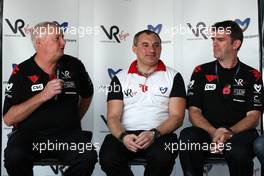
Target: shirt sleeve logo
(9,87)
(257,87)
(191,83)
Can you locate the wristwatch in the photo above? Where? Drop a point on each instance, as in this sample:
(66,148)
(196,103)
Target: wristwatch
(156,133)
(122,135)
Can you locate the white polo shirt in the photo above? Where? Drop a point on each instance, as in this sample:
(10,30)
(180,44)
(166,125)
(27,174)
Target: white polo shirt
(146,99)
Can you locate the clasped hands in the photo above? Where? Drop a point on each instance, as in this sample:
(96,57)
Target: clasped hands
(219,137)
(136,142)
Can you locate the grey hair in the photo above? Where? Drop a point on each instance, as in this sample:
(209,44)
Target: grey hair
(42,29)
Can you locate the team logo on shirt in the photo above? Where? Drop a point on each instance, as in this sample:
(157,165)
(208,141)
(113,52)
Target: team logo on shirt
(197,69)
(257,87)
(144,88)
(210,87)
(33,78)
(37,87)
(69,84)
(191,83)
(9,87)
(210,78)
(163,90)
(66,74)
(256,74)
(256,99)
(239,92)
(15,69)
(129,93)
(239,82)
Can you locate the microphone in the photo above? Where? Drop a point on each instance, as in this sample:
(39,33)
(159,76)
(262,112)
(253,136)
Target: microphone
(57,72)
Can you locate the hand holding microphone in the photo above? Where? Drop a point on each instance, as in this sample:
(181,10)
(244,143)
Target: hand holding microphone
(53,87)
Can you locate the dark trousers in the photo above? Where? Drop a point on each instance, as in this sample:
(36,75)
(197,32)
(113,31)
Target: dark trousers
(114,157)
(23,149)
(238,153)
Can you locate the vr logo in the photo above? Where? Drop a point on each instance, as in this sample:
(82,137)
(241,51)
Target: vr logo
(114,30)
(128,93)
(210,87)
(36,87)
(199,29)
(156,29)
(19,24)
(239,82)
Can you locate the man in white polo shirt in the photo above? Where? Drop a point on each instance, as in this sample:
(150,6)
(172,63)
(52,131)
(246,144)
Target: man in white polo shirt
(144,108)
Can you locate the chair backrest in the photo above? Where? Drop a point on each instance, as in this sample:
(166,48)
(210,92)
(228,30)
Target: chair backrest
(211,160)
(214,159)
(138,161)
(55,165)
(48,162)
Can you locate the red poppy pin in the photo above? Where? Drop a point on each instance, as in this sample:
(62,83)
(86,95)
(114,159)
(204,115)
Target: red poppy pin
(227,89)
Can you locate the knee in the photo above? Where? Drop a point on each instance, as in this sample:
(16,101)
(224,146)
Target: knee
(164,159)
(191,134)
(91,157)
(105,160)
(239,154)
(17,157)
(259,146)
(186,133)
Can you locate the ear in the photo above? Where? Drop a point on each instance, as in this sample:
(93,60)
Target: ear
(134,48)
(38,42)
(236,44)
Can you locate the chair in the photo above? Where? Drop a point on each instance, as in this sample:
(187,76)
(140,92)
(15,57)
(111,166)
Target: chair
(211,160)
(135,161)
(55,165)
(138,161)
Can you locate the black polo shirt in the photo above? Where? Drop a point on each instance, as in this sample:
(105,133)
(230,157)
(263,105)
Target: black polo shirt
(55,115)
(225,95)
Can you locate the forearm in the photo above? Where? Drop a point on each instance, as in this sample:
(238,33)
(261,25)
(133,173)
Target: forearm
(170,125)
(114,113)
(249,122)
(115,127)
(20,112)
(198,120)
(176,116)
(84,105)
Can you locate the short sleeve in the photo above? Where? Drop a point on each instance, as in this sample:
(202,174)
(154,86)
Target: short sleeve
(178,87)
(195,89)
(86,85)
(13,91)
(115,90)
(255,92)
